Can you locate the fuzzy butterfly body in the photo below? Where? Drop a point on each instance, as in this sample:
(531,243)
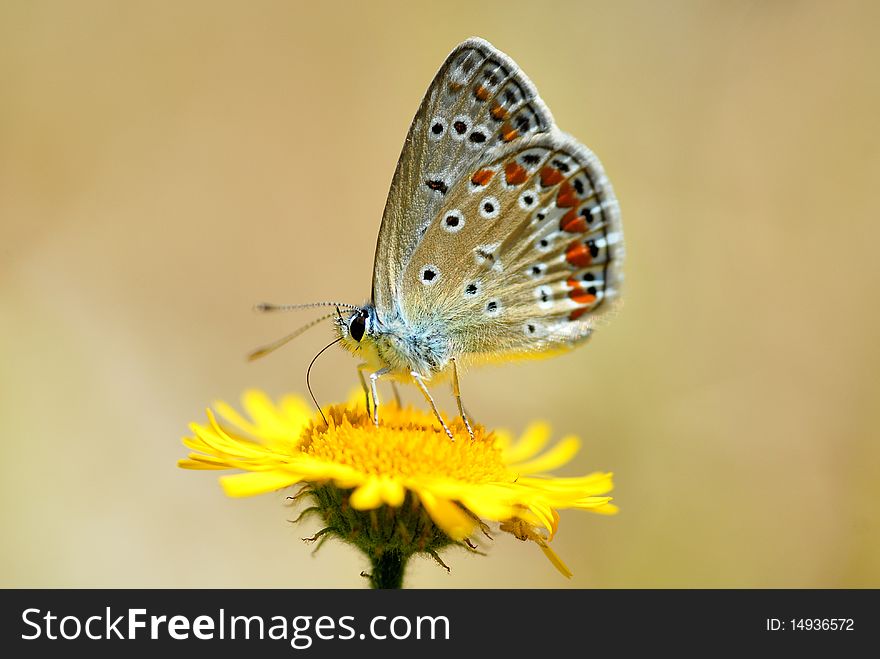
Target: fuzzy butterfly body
(501,235)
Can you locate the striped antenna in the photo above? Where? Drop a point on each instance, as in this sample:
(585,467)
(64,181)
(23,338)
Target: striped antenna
(272,347)
(269,307)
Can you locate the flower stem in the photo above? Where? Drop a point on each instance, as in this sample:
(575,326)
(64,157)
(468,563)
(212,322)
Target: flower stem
(388,569)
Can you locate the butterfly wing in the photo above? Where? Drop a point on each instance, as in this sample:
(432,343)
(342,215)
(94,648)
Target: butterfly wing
(478,101)
(524,254)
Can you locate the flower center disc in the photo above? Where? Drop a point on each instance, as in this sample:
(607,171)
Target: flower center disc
(407,443)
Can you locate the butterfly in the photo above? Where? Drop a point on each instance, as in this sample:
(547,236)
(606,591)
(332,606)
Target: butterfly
(501,237)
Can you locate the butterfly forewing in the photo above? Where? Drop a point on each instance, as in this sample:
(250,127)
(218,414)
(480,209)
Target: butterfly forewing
(478,102)
(524,253)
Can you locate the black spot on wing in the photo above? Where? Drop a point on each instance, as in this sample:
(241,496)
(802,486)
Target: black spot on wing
(438,186)
(561,166)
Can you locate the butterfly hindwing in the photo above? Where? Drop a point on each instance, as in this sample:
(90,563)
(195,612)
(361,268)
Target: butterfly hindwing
(478,102)
(524,253)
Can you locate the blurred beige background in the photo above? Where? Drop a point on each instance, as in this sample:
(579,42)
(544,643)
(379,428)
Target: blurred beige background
(159,174)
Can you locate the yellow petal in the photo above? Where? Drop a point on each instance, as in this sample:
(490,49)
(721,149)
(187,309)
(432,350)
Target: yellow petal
(447,515)
(393,493)
(529,517)
(504,441)
(200,461)
(559,455)
(296,411)
(598,505)
(347,480)
(264,413)
(367,496)
(555,525)
(557,562)
(548,517)
(323,470)
(532,441)
(232,416)
(375,491)
(487,507)
(257,482)
(595,483)
(206,439)
(220,440)
(194,443)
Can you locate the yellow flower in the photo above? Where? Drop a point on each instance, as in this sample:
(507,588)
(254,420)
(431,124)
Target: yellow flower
(402,488)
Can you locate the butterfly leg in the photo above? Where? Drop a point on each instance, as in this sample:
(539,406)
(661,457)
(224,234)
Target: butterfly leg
(360,370)
(421,383)
(457,391)
(373,377)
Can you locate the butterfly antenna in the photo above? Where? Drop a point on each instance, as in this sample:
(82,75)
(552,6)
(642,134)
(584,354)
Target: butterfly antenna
(309,373)
(272,347)
(268,307)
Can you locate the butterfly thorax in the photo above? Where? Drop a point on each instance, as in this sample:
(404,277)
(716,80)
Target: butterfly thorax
(393,343)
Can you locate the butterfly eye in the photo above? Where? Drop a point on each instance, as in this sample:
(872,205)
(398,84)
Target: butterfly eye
(357,327)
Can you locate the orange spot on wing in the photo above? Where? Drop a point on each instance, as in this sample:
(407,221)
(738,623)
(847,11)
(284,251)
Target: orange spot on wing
(508,132)
(566,197)
(577,313)
(482,177)
(515,173)
(578,255)
(499,113)
(481,92)
(571,222)
(580,296)
(550,176)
